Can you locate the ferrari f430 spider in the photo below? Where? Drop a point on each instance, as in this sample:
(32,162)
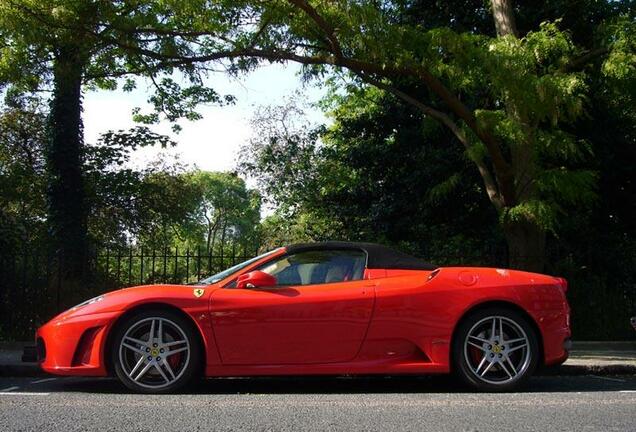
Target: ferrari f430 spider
(322,308)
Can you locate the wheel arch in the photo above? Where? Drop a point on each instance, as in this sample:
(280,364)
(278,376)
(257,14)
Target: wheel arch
(502,304)
(143,307)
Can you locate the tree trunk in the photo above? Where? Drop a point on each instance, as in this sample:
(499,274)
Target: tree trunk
(223,232)
(526,245)
(526,240)
(504,16)
(64,157)
(213,241)
(208,239)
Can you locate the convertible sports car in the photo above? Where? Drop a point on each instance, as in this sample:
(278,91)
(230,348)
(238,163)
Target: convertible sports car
(319,308)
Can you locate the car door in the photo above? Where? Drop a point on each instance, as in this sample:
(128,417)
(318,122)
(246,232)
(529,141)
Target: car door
(318,312)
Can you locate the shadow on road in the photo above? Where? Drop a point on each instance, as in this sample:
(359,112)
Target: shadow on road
(352,385)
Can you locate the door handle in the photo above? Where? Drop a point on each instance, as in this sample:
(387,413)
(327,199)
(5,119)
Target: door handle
(366,287)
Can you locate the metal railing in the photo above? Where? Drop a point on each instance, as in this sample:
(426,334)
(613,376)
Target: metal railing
(33,286)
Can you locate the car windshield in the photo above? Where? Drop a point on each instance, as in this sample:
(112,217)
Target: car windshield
(225,273)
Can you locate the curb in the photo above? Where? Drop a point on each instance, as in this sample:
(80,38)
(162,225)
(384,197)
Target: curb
(604,345)
(25,370)
(578,370)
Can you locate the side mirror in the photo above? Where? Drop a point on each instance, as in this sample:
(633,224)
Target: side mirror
(255,279)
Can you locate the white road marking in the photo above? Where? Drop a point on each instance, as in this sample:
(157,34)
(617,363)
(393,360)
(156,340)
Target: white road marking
(43,380)
(627,391)
(22,394)
(8,389)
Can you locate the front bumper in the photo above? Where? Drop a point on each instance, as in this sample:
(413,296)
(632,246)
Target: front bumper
(74,345)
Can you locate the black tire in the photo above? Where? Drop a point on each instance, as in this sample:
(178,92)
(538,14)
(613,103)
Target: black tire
(468,358)
(162,376)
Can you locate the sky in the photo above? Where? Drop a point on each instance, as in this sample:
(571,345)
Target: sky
(213,142)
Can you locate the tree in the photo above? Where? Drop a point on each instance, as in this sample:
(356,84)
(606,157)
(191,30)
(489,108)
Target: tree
(282,155)
(508,99)
(530,89)
(127,205)
(225,208)
(592,246)
(286,160)
(67,46)
(379,173)
(191,209)
(22,175)
(113,190)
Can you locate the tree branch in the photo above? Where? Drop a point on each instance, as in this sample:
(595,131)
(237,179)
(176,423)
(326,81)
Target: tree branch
(579,62)
(489,183)
(334,56)
(327,29)
(501,166)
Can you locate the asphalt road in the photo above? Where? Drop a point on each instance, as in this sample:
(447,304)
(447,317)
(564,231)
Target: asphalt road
(549,403)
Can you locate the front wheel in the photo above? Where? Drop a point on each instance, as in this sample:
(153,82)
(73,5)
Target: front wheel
(495,349)
(155,351)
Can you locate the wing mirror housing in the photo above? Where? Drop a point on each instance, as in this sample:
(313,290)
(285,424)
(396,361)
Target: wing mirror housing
(255,279)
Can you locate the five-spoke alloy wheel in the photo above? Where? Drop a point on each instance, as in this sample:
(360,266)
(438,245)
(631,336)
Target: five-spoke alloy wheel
(495,349)
(155,352)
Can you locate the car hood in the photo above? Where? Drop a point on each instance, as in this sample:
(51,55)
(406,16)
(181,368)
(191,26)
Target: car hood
(182,296)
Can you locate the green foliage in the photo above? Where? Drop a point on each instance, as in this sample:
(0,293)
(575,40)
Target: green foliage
(383,172)
(526,92)
(22,177)
(113,42)
(557,102)
(620,64)
(568,187)
(281,229)
(445,188)
(119,143)
(175,102)
(539,212)
(377,174)
(226,211)
(166,205)
(283,148)
(520,89)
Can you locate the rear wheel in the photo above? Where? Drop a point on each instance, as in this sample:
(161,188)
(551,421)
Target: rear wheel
(495,349)
(155,351)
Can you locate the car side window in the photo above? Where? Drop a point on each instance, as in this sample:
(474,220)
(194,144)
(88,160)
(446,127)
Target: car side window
(317,267)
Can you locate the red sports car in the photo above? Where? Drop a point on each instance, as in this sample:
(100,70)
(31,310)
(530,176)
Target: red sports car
(319,308)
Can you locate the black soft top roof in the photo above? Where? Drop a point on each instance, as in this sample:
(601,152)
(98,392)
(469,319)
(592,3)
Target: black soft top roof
(378,256)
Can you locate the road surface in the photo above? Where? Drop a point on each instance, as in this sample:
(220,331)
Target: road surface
(549,403)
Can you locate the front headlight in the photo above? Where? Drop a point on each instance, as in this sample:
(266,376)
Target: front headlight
(88,302)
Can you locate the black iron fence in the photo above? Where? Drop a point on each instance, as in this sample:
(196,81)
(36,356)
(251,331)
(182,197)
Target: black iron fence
(33,288)
(127,267)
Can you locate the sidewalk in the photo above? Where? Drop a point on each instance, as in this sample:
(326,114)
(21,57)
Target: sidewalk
(586,358)
(11,361)
(600,358)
